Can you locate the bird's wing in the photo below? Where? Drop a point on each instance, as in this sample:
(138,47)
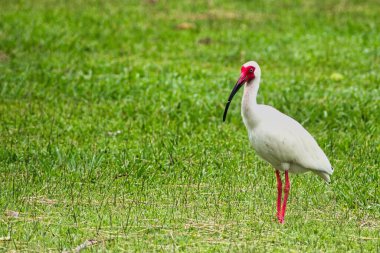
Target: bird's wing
(282,139)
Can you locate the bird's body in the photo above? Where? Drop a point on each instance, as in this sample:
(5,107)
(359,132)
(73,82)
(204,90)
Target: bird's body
(282,141)
(278,138)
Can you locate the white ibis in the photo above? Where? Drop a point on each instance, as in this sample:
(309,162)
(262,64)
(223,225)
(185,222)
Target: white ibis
(276,137)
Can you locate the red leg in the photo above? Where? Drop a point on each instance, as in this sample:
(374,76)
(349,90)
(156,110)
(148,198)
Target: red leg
(286,191)
(279,194)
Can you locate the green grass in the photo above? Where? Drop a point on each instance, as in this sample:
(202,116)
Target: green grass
(111,125)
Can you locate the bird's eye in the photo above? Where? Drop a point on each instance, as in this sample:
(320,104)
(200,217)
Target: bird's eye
(251,70)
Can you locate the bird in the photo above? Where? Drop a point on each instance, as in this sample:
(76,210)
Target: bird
(277,138)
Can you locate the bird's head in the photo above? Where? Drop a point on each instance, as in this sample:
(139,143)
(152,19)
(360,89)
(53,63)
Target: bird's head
(249,72)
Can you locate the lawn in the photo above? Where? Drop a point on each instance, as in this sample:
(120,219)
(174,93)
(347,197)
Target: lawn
(111,125)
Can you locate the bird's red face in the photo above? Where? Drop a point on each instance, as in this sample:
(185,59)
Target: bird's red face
(246,75)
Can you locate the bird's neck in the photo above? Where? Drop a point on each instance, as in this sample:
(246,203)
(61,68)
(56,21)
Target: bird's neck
(249,104)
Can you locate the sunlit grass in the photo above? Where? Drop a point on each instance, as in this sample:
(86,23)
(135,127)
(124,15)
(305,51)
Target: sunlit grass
(111,125)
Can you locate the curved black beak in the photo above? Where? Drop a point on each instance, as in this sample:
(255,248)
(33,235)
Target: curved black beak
(236,88)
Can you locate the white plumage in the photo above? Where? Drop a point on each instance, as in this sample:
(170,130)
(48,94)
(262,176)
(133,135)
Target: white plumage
(276,137)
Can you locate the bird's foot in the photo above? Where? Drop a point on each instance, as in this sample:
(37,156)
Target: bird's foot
(281,219)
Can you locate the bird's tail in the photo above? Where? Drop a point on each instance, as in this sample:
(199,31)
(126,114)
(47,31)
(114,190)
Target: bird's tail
(323,175)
